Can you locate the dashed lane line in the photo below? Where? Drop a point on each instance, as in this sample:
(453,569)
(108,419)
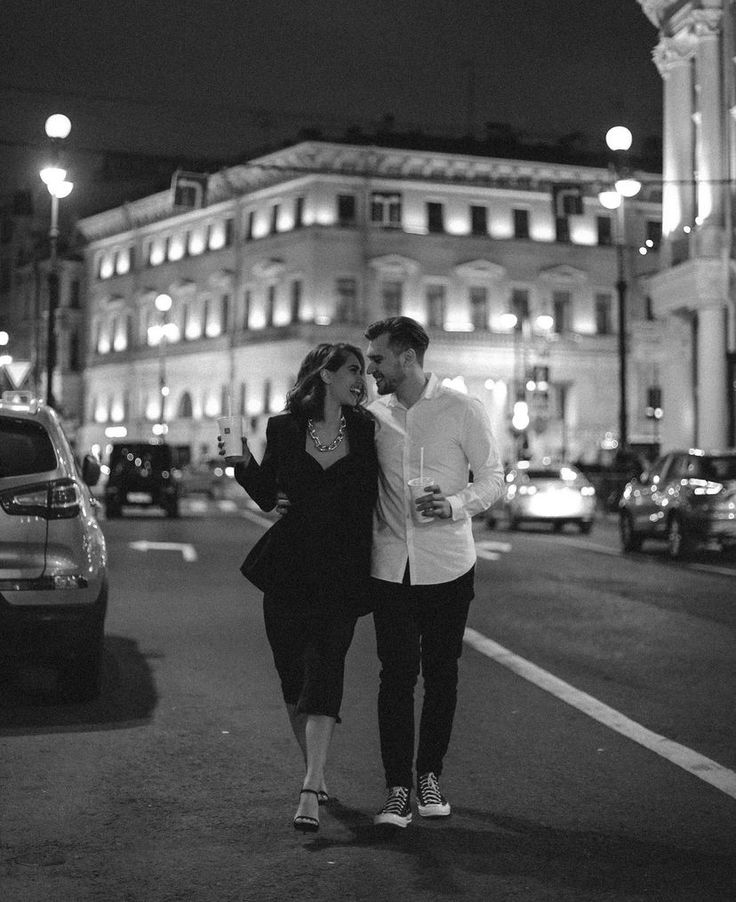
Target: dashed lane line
(694,763)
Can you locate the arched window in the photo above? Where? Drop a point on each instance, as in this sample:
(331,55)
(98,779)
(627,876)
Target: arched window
(185,406)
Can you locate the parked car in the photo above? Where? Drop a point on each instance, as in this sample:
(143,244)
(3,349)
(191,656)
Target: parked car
(53,559)
(687,498)
(546,493)
(142,474)
(207,477)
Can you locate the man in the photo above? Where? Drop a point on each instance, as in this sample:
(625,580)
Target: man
(423,555)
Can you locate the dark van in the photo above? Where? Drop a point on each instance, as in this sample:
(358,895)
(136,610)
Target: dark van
(142,475)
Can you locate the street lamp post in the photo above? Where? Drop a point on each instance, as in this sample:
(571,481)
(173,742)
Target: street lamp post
(162,303)
(58,127)
(619,140)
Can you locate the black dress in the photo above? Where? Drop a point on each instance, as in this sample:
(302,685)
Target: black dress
(317,555)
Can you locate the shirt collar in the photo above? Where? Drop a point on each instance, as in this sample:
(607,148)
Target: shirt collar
(430,390)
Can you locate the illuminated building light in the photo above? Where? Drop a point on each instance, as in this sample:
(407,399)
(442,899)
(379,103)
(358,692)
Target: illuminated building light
(217,236)
(123,262)
(106,267)
(196,243)
(520,418)
(157,255)
(176,248)
(112,432)
(322,320)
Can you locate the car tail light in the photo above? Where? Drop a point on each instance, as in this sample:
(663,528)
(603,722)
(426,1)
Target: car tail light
(56,500)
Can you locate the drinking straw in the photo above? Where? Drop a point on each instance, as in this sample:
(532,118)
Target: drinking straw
(421,463)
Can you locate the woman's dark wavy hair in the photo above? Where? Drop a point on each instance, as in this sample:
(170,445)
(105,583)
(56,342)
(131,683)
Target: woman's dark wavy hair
(307,397)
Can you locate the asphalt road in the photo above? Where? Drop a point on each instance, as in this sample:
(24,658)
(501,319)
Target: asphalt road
(593,758)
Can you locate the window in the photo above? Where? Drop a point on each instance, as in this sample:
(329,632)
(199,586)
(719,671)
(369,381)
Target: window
(603,321)
(346,209)
(479,307)
(228,232)
(205,316)
(436,306)
(274,219)
(435,217)
(270,304)
(247,299)
(299,213)
(184,411)
(296,300)
(267,396)
(243,399)
(386,210)
(520,307)
(249,222)
(654,234)
(224,313)
(521,223)
(391,293)
(346,300)
(478,220)
(184,320)
(605,231)
(562,229)
(561,304)
(75,357)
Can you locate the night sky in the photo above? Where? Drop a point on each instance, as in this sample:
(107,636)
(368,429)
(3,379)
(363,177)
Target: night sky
(218,79)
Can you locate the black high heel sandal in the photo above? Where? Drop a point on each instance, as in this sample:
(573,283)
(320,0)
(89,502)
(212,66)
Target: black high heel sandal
(304,822)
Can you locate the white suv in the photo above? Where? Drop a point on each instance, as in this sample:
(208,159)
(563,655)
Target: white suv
(53,559)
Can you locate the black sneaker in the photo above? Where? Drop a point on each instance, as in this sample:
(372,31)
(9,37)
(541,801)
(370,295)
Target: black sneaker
(396,810)
(430,801)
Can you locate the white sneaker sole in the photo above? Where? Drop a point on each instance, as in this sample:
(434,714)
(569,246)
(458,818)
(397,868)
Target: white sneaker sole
(393,820)
(434,810)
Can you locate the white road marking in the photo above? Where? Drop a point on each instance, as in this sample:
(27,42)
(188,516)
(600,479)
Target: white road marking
(694,763)
(187,550)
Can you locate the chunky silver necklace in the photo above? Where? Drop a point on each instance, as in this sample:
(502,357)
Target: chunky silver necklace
(329,446)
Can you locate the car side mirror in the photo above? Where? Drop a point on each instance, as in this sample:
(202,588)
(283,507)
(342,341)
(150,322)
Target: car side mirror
(90,470)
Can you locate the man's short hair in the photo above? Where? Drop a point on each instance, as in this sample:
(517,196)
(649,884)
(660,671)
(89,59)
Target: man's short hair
(403,333)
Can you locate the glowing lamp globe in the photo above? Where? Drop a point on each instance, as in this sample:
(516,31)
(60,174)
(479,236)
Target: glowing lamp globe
(618,138)
(58,126)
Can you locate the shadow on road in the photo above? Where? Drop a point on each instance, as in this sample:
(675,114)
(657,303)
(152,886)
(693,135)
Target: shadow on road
(483,844)
(29,700)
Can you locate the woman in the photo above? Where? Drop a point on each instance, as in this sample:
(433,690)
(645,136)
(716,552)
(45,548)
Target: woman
(321,455)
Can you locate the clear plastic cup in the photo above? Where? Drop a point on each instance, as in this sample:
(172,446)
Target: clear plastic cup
(417,487)
(231,431)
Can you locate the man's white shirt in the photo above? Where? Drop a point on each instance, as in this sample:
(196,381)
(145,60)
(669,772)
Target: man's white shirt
(455,432)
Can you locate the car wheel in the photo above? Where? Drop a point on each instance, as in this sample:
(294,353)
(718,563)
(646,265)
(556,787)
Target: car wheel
(630,539)
(679,543)
(585,527)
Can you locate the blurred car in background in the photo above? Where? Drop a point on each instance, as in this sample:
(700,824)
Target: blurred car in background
(207,477)
(53,558)
(551,493)
(687,498)
(142,474)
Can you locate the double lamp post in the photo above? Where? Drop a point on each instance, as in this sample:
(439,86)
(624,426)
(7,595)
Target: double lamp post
(619,141)
(53,176)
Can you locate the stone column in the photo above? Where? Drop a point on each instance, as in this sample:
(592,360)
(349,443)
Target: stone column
(673,57)
(712,426)
(711,190)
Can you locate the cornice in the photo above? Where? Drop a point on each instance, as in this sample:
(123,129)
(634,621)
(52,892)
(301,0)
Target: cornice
(339,161)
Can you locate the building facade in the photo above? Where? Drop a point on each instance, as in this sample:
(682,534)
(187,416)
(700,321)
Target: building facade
(511,265)
(694,291)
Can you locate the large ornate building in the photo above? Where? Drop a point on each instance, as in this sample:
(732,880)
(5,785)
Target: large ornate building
(694,291)
(511,265)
